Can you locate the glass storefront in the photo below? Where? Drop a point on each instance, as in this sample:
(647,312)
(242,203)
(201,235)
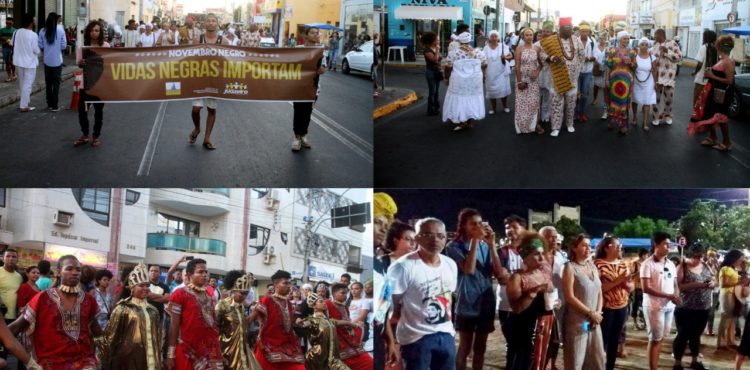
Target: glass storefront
(358,25)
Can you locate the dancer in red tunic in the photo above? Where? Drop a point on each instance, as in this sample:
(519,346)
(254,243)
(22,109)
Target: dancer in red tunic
(61,322)
(278,348)
(193,321)
(350,340)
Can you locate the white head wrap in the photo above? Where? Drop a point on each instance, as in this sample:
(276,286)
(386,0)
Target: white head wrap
(646,40)
(464,38)
(142,27)
(231,30)
(453,36)
(622,34)
(494,32)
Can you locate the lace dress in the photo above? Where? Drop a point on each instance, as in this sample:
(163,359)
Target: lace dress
(464,99)
(527,100)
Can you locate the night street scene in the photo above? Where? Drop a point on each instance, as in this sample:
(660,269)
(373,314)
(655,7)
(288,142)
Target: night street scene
(562,279)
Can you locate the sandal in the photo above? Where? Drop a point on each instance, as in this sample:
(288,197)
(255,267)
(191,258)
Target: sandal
(722,148)
(209,146)
(708,142)
(540,130)
(645,128)
(194,136)
(81,141)
(96,142)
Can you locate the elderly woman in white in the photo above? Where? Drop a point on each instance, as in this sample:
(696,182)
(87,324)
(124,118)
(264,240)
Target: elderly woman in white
(644,89)
(464,100)
(498,72)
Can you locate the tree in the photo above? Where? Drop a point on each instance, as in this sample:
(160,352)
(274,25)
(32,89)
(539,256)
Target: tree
(569,229)
(706,221)
(642,227)
(736,231)
(539,225)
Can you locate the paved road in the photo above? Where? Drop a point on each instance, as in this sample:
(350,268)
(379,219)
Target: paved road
(636,345)
(414,150)
(146,144)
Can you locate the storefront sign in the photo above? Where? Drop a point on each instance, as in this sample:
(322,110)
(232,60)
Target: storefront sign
(687,17)
(53,252)
(66,236)
(316,273)
(29,257)
(201,71)
(634,18)
(647,19)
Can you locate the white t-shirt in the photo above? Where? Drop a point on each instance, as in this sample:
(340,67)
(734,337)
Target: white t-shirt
(148,41)
(515,263)
(701,57)
(426,296)
(661,277)
(358,305)
(588,47)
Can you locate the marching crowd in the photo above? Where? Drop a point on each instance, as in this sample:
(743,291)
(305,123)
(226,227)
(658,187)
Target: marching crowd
(430,287)
(552,74)
(78,317)
(22,48)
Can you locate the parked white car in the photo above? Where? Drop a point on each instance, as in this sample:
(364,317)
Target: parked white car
(360,59)
(267,42)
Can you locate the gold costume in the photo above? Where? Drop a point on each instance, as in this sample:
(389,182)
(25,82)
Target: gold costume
(131,341)
(233,337)
(324,348)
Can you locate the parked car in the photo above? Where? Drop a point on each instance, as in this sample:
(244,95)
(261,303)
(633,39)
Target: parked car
(360,59)
(741,102)
(267,42)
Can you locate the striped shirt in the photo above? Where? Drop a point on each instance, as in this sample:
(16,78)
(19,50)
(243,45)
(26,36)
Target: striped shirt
(616,297)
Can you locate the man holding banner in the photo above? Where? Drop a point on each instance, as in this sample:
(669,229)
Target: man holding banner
(210,37)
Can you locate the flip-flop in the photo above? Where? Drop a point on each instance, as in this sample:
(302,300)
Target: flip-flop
(209,146)
(194,137)
(96,142)
(720,147)
(708,142)
(81,141)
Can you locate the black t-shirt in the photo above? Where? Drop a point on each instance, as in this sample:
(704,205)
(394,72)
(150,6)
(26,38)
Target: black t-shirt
(435,66)
(160,289)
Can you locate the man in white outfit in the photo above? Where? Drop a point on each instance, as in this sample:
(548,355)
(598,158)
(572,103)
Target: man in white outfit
(131,35)
(26,58)
(545,78)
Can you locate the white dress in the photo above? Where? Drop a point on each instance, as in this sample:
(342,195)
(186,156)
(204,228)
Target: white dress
(464,99)
(643,92)
(498,74)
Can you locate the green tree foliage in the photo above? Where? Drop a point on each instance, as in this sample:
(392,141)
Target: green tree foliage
(642,227)
(569,229)
(707,221)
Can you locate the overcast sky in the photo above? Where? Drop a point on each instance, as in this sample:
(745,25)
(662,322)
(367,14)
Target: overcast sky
(582,9)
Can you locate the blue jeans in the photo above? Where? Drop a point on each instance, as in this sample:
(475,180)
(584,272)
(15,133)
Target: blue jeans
(332,58)
(434,352)
(433,98)
(584,87)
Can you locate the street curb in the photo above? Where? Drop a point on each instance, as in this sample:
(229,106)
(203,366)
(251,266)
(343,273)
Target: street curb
(35,88)
(391,107)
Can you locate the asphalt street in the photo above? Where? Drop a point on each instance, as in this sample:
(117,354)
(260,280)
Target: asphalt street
(146,144)
(416,150)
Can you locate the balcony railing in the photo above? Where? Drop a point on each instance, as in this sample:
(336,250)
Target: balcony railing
(220,191)
(184,243)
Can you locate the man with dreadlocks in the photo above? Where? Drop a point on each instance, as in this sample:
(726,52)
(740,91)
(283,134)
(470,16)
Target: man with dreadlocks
(350,338)
(193,321)
(61,322)
(232,324)
(132,318)
(278,347)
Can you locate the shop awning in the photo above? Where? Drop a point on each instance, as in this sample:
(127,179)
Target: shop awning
(429,12)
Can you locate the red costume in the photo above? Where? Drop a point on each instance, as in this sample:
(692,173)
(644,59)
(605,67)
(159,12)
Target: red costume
(350,340)
(278,347)
(198,346)
(61,338)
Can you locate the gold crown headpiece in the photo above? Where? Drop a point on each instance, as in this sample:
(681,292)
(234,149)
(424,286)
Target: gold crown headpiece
(244,282)
(138,276)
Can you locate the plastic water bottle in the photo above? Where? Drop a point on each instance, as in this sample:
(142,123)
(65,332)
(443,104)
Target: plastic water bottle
(586,325)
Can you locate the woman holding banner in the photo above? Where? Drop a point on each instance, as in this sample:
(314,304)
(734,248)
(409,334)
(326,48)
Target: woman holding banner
(303,110)
(91,37)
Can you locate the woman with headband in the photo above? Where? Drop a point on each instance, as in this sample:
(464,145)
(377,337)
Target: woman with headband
(712,107)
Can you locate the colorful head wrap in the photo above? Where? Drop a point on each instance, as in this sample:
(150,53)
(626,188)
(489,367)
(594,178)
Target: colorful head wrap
(531,245)
(548,25)
(383,205)
(566,21)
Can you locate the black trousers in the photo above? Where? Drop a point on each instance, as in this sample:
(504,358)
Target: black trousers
(302,115)
(612,323)
(690,326)
(379,347)
(83,117)
(52,80)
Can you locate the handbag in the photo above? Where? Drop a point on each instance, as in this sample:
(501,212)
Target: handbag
(598,72)
(719,95)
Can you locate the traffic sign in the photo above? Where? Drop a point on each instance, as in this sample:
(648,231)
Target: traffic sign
(732,17)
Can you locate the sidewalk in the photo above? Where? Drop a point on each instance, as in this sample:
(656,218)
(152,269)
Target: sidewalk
(392,99)
(9,91)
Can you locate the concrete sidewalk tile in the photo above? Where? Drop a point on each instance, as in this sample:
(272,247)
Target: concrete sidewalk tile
(400,102)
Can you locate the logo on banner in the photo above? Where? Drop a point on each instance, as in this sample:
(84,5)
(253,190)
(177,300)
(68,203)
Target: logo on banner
(172,88)
(235,88)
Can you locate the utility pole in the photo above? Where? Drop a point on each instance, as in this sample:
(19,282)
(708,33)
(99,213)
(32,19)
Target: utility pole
(497,19)
(308,237)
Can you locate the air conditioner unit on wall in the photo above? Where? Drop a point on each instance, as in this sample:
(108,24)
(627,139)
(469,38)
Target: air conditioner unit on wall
(267,259)
(272,203)
(62,218)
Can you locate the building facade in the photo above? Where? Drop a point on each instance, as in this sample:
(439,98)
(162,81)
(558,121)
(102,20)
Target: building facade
(259,230)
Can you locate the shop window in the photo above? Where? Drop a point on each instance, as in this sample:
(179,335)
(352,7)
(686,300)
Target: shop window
(94,202)
(175,225)
(2,197)
(131,197)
